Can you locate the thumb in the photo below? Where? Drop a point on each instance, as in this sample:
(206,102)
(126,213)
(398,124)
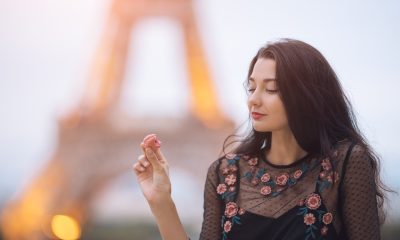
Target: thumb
(160,155)
(151,156)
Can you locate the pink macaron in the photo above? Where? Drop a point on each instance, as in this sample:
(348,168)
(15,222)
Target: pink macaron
(151,141)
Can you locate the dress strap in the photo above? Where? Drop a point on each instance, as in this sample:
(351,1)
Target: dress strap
(345,165)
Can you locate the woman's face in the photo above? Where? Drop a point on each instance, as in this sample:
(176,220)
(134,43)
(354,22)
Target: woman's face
(265,105)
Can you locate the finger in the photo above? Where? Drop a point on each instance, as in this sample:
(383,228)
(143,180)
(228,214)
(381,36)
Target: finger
(160,155)
(143,161)
(151,156)
(138,168)
(142,146)
(148,137)
(158,152)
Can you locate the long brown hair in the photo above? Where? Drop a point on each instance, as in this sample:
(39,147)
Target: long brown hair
(318,112)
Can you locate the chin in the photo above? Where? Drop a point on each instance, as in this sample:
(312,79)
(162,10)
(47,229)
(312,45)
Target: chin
(261,128)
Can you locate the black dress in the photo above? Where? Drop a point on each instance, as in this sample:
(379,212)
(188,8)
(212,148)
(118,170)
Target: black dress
(249,198)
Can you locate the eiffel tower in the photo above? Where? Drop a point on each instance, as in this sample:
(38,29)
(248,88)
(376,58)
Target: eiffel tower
(93,148)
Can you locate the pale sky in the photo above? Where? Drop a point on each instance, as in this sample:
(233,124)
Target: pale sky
(46,47)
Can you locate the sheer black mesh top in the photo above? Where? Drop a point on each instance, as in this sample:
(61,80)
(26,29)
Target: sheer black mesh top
(313,198)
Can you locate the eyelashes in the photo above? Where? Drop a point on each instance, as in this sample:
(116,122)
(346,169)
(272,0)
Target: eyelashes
(251,90)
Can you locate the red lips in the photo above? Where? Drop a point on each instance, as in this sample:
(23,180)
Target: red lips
(257,115)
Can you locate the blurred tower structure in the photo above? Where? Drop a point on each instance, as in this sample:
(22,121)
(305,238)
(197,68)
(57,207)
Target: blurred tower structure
(94,147)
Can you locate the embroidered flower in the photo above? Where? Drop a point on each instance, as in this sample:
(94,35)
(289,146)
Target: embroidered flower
(324,230)
(329,177)
(246,157)
(253,161)
(265,190)
(297,174)
(225,171)
(233,168)
(241,211)
(282,179)
(230,179)
(313,201)
(336,175)
(230,156)
(322,174)
(326,164)
(221,188)
(265,178)
(254,181)
(227,226)
(309,219)
(231,209)
(327,218)
(232,188)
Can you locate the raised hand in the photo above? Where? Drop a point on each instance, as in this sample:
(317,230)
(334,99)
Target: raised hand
(152,171)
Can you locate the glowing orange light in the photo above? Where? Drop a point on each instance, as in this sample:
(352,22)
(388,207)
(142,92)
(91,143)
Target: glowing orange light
(65,227)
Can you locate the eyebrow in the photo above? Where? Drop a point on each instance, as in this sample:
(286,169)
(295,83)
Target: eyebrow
(264,80)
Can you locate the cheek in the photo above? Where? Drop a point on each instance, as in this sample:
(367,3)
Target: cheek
(277,110)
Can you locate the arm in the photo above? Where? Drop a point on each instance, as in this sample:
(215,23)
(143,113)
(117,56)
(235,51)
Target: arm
(358,197)
(211,228)
(153,176)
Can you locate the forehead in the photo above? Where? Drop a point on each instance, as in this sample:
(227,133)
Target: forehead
(263,71)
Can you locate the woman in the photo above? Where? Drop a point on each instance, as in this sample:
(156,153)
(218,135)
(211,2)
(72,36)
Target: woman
(303,172)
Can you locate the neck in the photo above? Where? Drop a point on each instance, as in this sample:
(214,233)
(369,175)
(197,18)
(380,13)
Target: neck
(284,148)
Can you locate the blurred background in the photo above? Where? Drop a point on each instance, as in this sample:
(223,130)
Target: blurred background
(83,81)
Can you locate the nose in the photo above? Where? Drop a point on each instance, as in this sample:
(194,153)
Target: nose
(254,99)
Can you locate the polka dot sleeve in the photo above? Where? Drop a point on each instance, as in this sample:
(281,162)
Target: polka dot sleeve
(358,197)
(211,227)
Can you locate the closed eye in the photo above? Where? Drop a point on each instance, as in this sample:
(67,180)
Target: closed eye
(272,91)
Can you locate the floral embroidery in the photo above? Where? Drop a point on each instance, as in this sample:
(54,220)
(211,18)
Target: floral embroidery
(326,164)
(265,178)
(313,201)
(314,216)
(227,190)
(232,169)
(231,209)
(328,176)
(241,211)
(297,174)
(230,179)
(255,182)
(230,218)
(309,219)
(253,161)
(227,226)
(221,188)
(282,179)
(327,218)
(324,230)
(276,184)
(265,190)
